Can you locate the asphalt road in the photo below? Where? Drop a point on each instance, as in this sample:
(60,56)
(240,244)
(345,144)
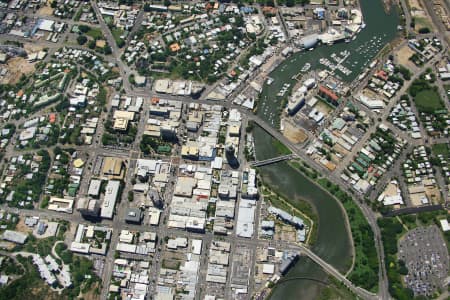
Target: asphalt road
(119,224)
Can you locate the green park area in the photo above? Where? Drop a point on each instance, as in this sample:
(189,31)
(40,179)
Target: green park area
(428,101)
(441,149)
(426,96)
(95,33)
(336,290)
(117,33)
(365,269)
(281,148)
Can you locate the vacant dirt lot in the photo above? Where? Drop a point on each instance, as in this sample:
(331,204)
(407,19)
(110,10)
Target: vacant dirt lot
(294,134)
(45,11)
(31,48)
(423,21)
(285,233)
(17,66)
(22,227)
(403,55)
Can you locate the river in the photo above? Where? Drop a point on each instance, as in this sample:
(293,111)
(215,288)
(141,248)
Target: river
(333,241)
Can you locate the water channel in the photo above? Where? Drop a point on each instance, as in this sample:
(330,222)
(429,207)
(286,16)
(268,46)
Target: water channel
(333,242)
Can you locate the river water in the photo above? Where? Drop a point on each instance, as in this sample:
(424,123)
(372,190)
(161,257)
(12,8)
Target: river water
(333,242)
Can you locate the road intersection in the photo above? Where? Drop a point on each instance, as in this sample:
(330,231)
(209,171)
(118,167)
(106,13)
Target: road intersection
(118,223)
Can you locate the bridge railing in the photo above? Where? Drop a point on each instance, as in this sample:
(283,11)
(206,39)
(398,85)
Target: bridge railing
(272,160)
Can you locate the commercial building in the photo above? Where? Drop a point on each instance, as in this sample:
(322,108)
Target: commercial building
(294,107)
(286,217)
(154,215)
(94,187)
(113,168)
(268,269)
(133,215)
(109,201)
(185,186)
(371,103)
(14,236)
(121,119)
(140,80)
(158,169)
(246,218)
(190,152)
(85,240)
(268,225)
(218,262)
(287,262)
(309,41)
(187,213)
(328,94)
(88,207)
(61,204)
(46,25)
(249,185)
(196,247)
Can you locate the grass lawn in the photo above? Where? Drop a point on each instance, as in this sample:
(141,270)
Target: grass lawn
(95,33)
(428,101)
(108,20)
(447,89)
(117,33)
(422,23)
(177,71)
(78,14)
(281,148)
(335,290)
(441,149)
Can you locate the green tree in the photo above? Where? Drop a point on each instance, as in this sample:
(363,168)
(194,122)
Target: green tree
(290,3)
(81,40)
(84,28)
(91,44)
(424,30)
(107,50)
(120,43)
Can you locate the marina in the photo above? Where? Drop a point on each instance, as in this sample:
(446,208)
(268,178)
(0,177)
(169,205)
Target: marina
(338,65)
(306,68)
(283,90)
(381,28)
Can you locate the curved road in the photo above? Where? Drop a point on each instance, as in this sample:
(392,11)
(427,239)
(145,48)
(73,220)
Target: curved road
(296,149)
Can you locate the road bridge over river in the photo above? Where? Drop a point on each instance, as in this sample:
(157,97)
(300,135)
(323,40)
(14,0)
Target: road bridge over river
(260,163)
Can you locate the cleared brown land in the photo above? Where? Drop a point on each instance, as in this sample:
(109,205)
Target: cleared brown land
(17,66)
(293,134)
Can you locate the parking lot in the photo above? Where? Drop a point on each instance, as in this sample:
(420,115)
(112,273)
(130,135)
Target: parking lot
(424,252)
